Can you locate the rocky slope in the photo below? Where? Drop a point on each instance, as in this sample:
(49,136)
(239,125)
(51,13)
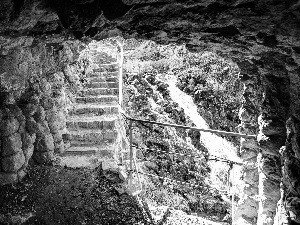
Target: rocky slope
(147,67)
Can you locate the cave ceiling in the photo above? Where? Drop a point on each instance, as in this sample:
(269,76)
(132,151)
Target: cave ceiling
(270,23)
(247,31)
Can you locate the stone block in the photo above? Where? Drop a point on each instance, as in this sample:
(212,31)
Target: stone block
(56,120)
(30,109)
(28,152)
(16,112)
(47,103)
(11,145)
(57,137)
(40,114)
(250,164)
(250,190)
(45,143)
(31,125)
(113,172)
(13,163)
(8,178)
(59,147)
(42,128)
(22,128)
(246,207)
(27,140)
(45,87)
(60,101)
(251,176)
(247,153)
(249,143)
(43,157)
(21,174)
(9,126)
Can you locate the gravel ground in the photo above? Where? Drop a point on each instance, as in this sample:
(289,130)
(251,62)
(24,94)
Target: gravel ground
(179,217)
(56,195)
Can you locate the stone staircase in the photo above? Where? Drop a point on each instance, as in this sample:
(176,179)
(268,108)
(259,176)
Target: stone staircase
(91,122)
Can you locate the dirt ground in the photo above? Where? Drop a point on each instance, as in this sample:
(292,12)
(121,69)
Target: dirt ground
(56,195)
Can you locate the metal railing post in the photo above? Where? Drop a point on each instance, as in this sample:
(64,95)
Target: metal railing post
(130,153)
(121,77)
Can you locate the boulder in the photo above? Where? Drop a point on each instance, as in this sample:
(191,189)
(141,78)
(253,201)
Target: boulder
(9,99)
(47,103)
(31,125)
(28,152)
(57,137)
(30,109)
(40,114)
(13,163)
(113,172)
(9,126)
(27,140)
(42,129)
(8,178)
(59,147)
(43,157)
(56,121)
(45,143)
(11,145)
(21,174)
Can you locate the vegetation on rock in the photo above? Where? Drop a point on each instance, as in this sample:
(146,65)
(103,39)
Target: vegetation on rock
(147,97)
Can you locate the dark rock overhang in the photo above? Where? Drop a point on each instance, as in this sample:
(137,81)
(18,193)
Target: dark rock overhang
(263,21)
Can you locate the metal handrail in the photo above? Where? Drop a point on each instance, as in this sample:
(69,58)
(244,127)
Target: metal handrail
(226,133)
(133,162)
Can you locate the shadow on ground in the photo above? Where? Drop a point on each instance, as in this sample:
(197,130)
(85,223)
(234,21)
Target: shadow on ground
(56,195)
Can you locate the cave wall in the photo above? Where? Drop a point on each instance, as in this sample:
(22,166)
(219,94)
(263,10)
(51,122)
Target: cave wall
(262,37)
(36,78)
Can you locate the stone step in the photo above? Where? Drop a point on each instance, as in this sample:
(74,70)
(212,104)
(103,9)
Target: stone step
(106,144)
(102,79)
(92,136)
(93,110)
(80,161)
(102,60)
(89,150)
(99,91)
(78,150)
(103,74)
(102,85)
(94,122)
(98,99)
(111,67)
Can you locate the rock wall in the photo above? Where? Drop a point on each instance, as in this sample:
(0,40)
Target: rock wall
(274,111)
(16,143)
(288,208)
(37,81)
(247,208)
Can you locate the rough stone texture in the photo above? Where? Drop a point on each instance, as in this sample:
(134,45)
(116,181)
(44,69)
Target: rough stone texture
(274,111)
(12,158)
(8,178)
(13,163)
(32,100)
(262,37)
(246,212)
(11,145)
